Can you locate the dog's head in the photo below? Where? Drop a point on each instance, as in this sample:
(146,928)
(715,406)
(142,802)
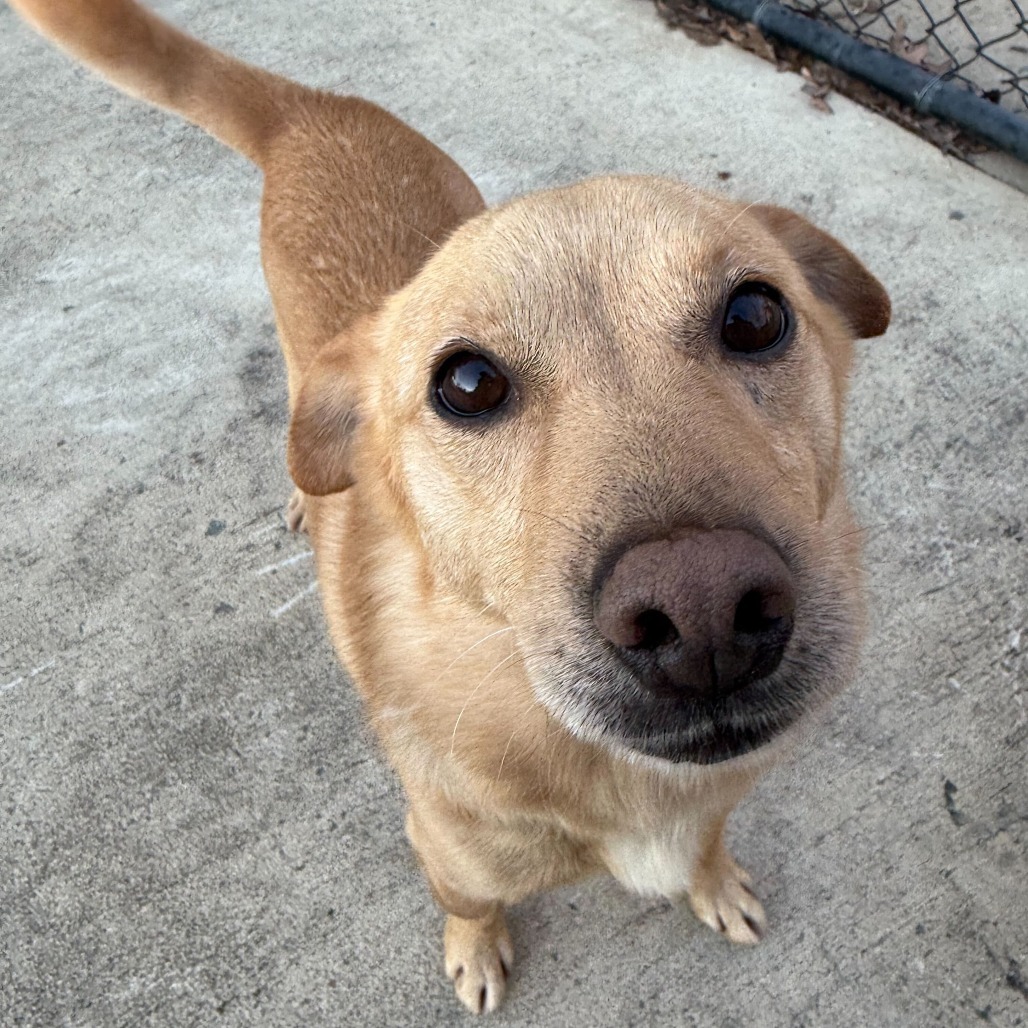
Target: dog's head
(612,412)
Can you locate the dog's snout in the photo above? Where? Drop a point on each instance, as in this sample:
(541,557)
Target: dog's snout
(701,615)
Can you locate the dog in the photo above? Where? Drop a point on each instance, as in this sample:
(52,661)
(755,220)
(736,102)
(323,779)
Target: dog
(571,469)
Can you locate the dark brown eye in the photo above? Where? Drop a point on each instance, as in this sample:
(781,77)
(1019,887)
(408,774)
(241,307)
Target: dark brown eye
(467,384)
(755,319)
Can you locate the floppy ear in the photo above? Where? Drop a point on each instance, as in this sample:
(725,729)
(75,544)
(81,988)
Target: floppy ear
(832,272)
(319,451)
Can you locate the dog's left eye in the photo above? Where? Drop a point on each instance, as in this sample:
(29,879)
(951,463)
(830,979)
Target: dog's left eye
(468,384)
(756,319)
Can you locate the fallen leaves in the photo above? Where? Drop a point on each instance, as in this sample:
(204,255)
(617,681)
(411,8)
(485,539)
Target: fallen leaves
(749,37)
(817,91)
(916,53)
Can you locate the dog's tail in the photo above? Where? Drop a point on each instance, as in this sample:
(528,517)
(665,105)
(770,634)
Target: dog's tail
(146,57)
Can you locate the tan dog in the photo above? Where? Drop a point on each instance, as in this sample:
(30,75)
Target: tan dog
(570,468)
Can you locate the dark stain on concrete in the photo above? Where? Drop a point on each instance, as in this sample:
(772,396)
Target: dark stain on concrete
(1015,978)
(958,817)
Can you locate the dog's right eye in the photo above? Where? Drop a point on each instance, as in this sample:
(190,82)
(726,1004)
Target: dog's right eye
(468,384)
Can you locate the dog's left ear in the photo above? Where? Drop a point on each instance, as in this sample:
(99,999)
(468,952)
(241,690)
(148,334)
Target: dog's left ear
(325,419)
(832,272)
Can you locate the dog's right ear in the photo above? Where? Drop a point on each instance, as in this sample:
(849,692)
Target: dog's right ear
(325,420)
(834,274)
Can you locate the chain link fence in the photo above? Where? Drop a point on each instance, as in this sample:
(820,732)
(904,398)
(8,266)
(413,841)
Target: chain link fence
(956,71)
(982,43)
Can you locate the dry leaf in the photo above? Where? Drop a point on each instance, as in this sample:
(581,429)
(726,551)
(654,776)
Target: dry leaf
(813,89)
(762,46)
(817,91)
(915,54)
(898,41)
(701,36)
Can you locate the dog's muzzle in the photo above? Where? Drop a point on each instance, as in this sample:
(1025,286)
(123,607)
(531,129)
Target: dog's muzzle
(701,648)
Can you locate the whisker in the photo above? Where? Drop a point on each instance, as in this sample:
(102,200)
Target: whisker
(453,737)
(404,224)
(504,757)
(739,215)
(557,521)
(485,638)
(868,531)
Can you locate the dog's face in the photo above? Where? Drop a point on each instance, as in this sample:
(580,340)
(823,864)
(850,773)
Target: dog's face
(585,373)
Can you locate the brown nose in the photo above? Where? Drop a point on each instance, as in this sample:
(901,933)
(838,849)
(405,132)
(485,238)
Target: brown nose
(699,616)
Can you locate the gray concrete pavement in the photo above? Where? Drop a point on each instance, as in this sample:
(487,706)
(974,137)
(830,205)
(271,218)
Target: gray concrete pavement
(194,827)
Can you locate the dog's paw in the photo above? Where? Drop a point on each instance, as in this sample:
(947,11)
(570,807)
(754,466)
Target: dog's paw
(721,897)
(479,958)
(296,512)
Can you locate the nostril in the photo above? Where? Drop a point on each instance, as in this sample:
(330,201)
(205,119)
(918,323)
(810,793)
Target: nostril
(655,629)
(759,612)
(749,614)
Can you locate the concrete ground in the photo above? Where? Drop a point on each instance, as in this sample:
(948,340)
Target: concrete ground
(194,827)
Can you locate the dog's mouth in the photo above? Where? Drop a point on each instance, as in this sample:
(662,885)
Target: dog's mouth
(695,731)
(600,700)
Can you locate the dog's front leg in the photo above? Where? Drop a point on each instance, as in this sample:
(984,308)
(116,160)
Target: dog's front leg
(479,954)
(719,890)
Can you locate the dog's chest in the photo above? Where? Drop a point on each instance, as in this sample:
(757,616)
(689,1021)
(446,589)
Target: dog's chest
(654,861)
